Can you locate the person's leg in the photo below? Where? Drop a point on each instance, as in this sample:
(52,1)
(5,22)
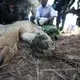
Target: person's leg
(63,20)
(32,19)
(1,13)
(58,20)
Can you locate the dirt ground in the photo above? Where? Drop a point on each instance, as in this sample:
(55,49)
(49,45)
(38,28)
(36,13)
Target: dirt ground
(63,65)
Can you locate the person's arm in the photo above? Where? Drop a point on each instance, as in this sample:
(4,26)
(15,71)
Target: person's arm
(53,14)
(38,13)
(38,18)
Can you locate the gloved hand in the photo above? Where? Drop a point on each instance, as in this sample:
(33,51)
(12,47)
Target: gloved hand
(43,20)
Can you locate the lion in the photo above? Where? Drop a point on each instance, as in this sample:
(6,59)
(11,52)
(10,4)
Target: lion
(26,31)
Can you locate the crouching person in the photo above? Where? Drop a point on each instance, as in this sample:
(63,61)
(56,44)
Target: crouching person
(45,13)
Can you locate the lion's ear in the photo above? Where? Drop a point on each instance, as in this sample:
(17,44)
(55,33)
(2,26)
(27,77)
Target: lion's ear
(7,54)
(3,56)
(4,53)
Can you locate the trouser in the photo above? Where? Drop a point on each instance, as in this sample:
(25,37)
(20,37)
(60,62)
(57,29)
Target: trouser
(63,20)
(1,13)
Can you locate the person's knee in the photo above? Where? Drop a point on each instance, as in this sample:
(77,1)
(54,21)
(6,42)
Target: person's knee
(32,18)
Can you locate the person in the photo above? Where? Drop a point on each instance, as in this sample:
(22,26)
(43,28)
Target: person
(45,13)
(1,13)
(61,6)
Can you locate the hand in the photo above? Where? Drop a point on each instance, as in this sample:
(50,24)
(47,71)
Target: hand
(43,20)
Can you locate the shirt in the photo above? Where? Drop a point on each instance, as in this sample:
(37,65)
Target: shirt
(46,11)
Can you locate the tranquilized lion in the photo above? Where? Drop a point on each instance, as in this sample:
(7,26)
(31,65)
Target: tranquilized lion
(26,31)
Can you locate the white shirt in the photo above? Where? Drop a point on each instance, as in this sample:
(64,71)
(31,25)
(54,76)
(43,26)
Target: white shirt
(46,11)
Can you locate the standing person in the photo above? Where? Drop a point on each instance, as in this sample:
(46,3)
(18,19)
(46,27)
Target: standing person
(45,13)
(1,13)
(61,6)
